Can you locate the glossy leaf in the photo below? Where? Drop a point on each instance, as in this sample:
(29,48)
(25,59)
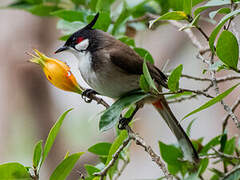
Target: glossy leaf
(213,142)
(91,169)
(103,22)
(173,15)
(148,77)
(233,175)
(215,32)
(219,11)
(101,149)
(212,101)
(116,144)
(42,10)
(193,24)
(127,40)
(203,166)
(69,15)
(122,18)
(65,167)
(112,114)
(227,49)
(211,3)
(144,54)
(144,84)
(187,6)
(103,5)
(170,153)
(37,154)
(14,171)
(173,80)
(230,146)
(52,135)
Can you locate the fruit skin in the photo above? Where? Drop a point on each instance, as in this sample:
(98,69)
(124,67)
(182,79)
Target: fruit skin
(57,72)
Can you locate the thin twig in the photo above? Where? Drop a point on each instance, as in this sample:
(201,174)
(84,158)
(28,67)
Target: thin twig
(197,92)
(155,158)
(225,120)
(223,155)
(115,156)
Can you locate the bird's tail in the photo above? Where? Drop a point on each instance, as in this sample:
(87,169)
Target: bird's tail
(185,144)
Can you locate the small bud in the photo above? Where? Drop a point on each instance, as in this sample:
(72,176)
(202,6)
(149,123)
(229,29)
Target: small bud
(57,72)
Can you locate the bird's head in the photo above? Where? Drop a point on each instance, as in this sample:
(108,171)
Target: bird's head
(81,40)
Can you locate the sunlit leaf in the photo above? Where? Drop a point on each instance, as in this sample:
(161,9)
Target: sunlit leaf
(13,171)
(65,167)
(212,101)
(52,135)
(227,49)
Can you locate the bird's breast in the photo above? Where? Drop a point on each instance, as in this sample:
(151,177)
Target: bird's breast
(106,79)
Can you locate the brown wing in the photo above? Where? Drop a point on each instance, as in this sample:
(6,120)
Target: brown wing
(129,61)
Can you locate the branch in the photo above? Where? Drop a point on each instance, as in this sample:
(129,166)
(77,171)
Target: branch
(103,173)
(155,158)
(225,120)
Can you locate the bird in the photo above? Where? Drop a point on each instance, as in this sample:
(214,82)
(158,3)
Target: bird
(111,68)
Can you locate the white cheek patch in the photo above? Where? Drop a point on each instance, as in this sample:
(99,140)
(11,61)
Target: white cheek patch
(83,45)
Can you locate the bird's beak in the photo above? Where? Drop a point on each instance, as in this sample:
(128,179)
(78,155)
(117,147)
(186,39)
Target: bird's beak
(61,49)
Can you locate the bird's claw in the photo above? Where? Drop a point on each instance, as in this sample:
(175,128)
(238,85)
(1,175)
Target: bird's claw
(87,95)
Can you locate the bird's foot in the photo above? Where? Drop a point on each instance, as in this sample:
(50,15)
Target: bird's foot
(123,122)
(88,94)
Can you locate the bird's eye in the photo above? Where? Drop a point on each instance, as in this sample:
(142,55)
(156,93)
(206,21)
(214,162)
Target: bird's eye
(80,39)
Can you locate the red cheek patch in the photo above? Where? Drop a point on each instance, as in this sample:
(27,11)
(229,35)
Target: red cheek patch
(80,39)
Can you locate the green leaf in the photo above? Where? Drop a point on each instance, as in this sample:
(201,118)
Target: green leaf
(91,169)
(219,26)
(127,40)
(42,10)
(144,54)
(227,49)
(103,22)
(170,153)
(65,167)
(230,146)
(79,2)
(14,171)
(212,101)
(189,127)
(223,141)
(148,77)
(233,175)
(70,15)
(103,5)
(20,5)
(187,7)
(215,141)
(173,15)
(193,24)
(122,18)
(112,114)
(173,80)
(116,144)
(219,11)
(144,84)
(212,3)
(101,149)
(68,28)
(52,135)
(203,166)
(193,176)
(37,154)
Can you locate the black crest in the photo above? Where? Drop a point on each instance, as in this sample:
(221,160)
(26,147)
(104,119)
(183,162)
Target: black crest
(92,23)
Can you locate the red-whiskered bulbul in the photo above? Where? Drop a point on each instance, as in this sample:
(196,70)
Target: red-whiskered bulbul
(112,69)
